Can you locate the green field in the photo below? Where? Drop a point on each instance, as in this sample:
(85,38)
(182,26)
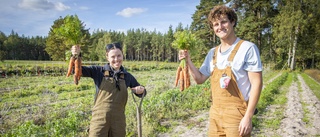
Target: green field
(46,105)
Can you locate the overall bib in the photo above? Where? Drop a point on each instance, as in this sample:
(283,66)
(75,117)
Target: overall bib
(108,116)
(228,105)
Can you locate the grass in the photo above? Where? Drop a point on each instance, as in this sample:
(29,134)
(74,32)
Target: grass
(271,95)
(55,106)
(313,84)
(280,100)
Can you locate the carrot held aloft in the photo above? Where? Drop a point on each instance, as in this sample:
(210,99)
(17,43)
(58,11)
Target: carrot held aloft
(80,68)
(177,76)
(181,80)
(71,64)
(77,70)
(187,77)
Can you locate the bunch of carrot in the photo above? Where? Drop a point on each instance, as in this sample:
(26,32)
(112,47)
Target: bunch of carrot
(184,40)
(76,63)
(183,76)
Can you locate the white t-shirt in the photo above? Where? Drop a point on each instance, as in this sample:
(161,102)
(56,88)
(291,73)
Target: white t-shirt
(247,59)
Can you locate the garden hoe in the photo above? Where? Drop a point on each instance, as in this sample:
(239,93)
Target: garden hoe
(138,107)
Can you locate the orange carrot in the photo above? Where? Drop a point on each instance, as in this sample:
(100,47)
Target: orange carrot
(177,76)
(71,64)
(77,70)
(181,81)
(184,78)
(75,79)
(187,77)
(80,68)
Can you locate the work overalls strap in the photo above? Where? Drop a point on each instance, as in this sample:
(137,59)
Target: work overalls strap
(108,117)
(228,105)
(230,59)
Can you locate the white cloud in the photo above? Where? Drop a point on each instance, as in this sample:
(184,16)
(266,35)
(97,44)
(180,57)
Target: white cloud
(128,12)
(61,7)
(42,5)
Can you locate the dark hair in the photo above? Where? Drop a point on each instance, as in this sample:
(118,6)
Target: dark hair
(219,11)
(111,46)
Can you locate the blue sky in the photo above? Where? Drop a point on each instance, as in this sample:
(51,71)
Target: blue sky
(35,17)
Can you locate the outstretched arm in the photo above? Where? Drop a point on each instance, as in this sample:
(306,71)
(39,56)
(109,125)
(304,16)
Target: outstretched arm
(198,77)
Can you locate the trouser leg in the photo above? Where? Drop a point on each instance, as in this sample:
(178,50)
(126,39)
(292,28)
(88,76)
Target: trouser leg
(99,126)
(215,124)
(231,120)
(118,127)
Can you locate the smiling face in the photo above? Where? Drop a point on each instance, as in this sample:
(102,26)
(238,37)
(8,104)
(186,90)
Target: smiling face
(115,58)
(222,27)
(223,20)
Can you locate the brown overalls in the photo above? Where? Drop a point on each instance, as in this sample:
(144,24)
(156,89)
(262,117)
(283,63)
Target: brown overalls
(108,117)
(228,105)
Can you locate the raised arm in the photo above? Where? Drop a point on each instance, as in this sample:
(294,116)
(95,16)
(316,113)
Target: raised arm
(198,77)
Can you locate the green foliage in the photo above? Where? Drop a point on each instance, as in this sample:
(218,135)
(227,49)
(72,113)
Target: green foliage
(59,68)
(184,40)
(268,96)
(3,55)
(173,104)
(200,26)
(70,30)
(64,33)
(269,92)
(67,126)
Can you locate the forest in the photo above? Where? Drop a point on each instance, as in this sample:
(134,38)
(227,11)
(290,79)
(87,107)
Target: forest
(285,31)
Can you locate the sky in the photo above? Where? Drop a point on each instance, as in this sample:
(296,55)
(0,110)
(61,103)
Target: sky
(35,17)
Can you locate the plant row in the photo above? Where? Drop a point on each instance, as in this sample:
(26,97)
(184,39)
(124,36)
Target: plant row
(59,69)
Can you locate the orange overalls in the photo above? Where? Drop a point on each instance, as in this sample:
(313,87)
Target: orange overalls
(108,117)
(228,105)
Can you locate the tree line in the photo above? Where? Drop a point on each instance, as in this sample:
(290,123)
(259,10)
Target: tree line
(285,31)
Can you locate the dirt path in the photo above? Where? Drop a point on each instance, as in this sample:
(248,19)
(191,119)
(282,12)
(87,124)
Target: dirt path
(292,125)
(302,115)
(313,108)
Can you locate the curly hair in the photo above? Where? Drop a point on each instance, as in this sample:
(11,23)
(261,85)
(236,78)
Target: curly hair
(219,11)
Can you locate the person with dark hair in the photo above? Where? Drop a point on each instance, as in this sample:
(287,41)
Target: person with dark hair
(235,72)
(111,82)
